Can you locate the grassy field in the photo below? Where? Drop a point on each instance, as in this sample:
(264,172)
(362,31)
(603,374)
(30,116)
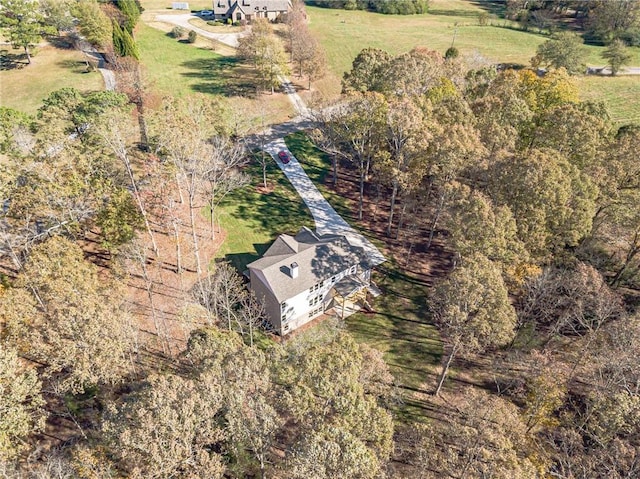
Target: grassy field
(253,218)
(343,34)
(400,326)
(24,87)
(621,94)
(178,69)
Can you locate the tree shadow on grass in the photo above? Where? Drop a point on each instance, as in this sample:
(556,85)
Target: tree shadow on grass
(61,42)
(76,66)
(494,7)
(241,260)
(12,61)
(453,13)
(219,76)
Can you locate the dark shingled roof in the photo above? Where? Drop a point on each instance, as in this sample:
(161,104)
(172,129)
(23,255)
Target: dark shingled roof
(249,7)
(318,258)
(349,285)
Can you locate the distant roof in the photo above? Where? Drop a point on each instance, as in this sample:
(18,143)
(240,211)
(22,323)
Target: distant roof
(221,7)
(318,258)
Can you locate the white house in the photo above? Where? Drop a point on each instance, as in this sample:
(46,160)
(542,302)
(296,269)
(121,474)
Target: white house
(300,277)
(249,10)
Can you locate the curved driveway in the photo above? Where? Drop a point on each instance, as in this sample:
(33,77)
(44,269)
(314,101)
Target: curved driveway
(182,20)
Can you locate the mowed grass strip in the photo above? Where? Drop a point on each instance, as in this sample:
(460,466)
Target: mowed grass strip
(253,217)
(400,327)
(180,69)
(23,87)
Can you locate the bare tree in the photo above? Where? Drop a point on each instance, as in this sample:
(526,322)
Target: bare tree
(116,131)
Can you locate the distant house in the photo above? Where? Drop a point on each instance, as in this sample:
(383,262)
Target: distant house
(249,10)
(300,277)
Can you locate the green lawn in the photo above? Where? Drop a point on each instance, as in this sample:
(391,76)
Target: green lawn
(253,219)
(180,68)
(23,87)
(621,94)
(343,34)
(400,327)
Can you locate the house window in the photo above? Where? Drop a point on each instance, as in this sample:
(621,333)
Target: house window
(333,279)
(238,16)
(321,283)
(352,270)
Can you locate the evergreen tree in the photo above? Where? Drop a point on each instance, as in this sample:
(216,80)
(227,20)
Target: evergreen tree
(131,12)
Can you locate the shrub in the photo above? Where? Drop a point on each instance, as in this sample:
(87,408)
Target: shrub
(236,24)
(483,19)
(452,52)
(192,36)
(177,32)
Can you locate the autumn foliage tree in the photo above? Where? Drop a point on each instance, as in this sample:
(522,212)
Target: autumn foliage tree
(61,315)
(472,309)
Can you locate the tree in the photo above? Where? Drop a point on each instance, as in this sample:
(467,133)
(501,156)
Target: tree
(168,428)
(404,163)
(24,23)
(563,50)
(131,12)
(61,315)
(572,301)
(266,53)
(307,54)
(57,14)
(552,202)
(475,224)
(93,23)
(123,43)
(331,395)
(119,219)
(114,131)
(333,452)
(610,19)
(368,71)
(357,128)
(20,402)
(617,55)
(577,130)
(484,437)
(473,311)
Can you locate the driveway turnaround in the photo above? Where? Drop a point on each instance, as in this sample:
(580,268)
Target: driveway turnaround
(327,220)
(182,20)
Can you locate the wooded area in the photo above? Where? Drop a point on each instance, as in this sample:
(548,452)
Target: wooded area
(126,352)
